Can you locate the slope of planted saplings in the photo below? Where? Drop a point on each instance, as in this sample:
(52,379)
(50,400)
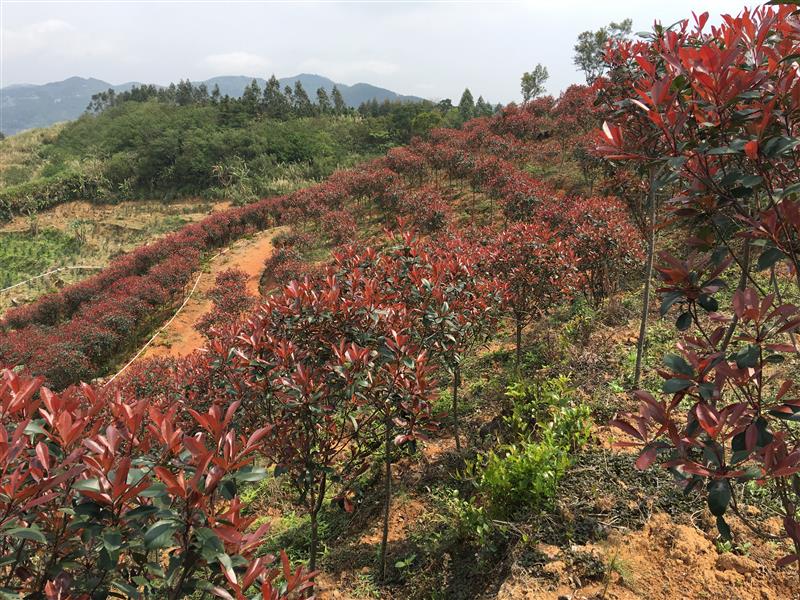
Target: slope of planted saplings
(548,354)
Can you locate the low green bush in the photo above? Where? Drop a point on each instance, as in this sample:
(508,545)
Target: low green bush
(548,426)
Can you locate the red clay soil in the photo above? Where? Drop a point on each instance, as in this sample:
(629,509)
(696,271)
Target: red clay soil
(663,561)
(180,338)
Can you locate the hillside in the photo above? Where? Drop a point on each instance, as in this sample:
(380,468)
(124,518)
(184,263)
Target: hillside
(28,106)
(547,352)
(184,142)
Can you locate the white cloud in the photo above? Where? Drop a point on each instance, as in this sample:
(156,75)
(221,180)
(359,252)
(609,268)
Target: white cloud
(56,40)
(348,69)
(236,63)
(34,37)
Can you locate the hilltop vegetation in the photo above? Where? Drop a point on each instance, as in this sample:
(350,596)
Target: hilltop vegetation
(30,106)
(151,142)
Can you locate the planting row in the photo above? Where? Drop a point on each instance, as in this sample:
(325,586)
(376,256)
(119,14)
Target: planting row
(93,322)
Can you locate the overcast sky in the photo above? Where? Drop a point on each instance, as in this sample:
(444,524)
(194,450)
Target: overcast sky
(431,49)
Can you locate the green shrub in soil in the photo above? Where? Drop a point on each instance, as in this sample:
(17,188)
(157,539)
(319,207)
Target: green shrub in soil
(548,426)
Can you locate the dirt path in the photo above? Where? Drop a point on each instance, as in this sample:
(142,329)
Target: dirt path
(180,337)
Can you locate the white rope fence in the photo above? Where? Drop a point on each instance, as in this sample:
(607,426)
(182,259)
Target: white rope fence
(76,267)
(165,325)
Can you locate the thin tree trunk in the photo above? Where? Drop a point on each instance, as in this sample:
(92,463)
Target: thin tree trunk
(456,384)
(314,546)
(519,340)
(745,266)
(651,244)
(312,561)
(387,490)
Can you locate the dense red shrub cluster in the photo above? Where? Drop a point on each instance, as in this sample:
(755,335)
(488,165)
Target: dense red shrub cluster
(339,226)
(100,329)
(606,243)
(405,161)
(100,494)
(231,300)
(424,208)
(531,121)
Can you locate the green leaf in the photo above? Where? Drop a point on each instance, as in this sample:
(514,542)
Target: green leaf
(92,485)
(26,533)
(719,496)
(706,390)
(708,303)
(159,534)
(764,436)
(88,509)
(751,181)
(750,473)
(34,427)
(251,474)
(684,321)
(668,300)
(131,591)
(722,150)
(156,490)
(779,145)
(769,257)
(112,540)
(210,544)
(672,386)
(747,357)
(140,512)
(678,365)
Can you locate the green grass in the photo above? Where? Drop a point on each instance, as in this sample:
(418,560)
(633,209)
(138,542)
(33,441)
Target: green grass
(24,255)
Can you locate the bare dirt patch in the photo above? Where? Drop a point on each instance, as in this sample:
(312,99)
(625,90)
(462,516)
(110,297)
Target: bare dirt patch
(663,561)
(180,338)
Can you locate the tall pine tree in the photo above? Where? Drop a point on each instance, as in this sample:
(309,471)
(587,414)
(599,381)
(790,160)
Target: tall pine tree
(466,107)
(339,106)
(323,102)
(302,103)
(276,106)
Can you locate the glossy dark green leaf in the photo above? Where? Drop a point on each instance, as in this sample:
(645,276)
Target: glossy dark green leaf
(684,321)
(26,533)
(719,496)
(672,386)
(677,364)
(769,257)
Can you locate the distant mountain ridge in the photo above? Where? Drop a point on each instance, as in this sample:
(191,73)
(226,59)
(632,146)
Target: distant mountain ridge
(25,106)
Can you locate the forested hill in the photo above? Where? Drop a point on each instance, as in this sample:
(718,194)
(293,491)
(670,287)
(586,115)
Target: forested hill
(189,140)
(27,106)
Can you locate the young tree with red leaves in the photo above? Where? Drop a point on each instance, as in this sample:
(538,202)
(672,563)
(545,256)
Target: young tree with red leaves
(537,268)
(642,141)
(454,302)
(725,106)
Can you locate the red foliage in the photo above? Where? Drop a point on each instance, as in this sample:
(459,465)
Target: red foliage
(604,240)
(134,483)
(538,269)
(717,112)
(231,301)
(339,226)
